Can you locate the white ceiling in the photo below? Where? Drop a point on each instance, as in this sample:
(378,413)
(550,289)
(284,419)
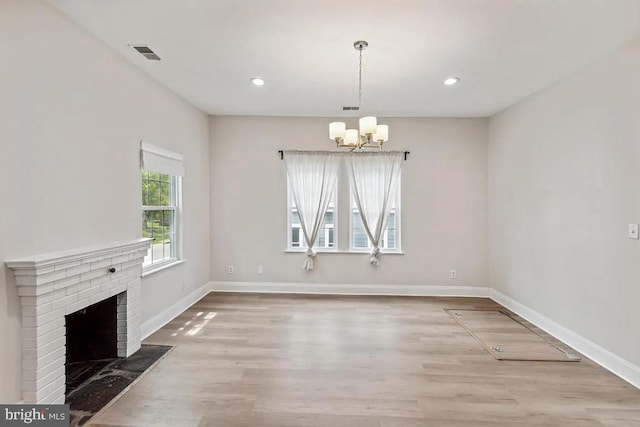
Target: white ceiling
(503,50)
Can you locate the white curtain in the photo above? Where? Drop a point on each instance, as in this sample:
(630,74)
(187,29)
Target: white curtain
(312,177)
(374,180)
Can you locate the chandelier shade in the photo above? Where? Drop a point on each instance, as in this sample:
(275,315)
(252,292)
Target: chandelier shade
(337,130)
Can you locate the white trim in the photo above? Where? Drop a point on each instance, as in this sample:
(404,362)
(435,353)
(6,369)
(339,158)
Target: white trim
(60,257)
(158,208)
(332,251)
(351,289)
(178,221)
(155,268)
(150,326)
(608,360)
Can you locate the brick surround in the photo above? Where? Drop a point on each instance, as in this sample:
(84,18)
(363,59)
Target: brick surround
(54,285)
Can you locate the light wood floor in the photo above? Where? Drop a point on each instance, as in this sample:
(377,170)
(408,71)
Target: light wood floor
(341,361)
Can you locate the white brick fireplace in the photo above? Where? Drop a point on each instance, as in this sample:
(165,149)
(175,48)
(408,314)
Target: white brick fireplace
(54,285)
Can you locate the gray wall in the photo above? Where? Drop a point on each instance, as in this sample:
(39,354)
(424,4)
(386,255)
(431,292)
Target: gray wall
(444,206)
(564,175)
(72,113)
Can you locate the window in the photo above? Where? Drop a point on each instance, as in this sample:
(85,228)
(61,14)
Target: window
(326,236)
(160,195)
(358,241)
(390,241)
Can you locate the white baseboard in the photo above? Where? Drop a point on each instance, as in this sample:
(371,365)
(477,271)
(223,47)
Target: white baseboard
(158,321)
(347,289)
(612,362)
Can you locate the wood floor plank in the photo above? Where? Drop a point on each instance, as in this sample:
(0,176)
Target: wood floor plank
(314,360)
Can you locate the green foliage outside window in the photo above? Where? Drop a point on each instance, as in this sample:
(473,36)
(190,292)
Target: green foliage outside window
(157,191)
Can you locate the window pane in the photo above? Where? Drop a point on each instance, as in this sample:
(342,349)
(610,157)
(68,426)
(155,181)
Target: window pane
(158,193)
(174,194)
(391,224)
(161,225)
(165,194)
(152,192)
(328,217)
(360,238)
(295,237)
(159,190)
(325,237)
(145,188)
(156,227)
(165,235)
(172,246)
(168,233)
(147,230)
(390,241)
(321,242)
(389,238)
(327,225)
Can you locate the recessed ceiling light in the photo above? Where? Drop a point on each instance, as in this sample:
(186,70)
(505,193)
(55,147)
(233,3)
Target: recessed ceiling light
(451,81)
(258,81)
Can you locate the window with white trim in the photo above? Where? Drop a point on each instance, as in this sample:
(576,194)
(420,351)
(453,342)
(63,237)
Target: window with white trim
(390,241)
(159,216)
(161,172)
(327,236)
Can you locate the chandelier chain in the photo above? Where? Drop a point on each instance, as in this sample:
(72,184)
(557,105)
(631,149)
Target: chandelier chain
(360,81)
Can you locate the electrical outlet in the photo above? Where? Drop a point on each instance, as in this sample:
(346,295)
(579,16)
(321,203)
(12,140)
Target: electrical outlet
(633,231)
(231,269)
(260,269)
(453,274)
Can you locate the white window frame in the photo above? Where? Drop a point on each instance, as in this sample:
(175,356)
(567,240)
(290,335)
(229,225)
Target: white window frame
(176,207)
(398,215)
(303,247)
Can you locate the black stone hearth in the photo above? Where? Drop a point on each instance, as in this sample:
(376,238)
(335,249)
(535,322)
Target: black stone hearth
(108,381)
(77,373)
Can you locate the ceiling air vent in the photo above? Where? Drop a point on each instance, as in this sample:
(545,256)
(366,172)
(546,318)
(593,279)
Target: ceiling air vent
(350,108)
(147,53)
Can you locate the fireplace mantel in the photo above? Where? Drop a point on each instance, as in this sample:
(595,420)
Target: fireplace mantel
(56,284)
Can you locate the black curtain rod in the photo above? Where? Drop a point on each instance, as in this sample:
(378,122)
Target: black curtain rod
(281,152)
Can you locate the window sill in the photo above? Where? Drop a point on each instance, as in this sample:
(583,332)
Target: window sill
(159,267)
(319,251)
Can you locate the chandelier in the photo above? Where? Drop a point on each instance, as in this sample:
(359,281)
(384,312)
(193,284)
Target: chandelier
(370,134)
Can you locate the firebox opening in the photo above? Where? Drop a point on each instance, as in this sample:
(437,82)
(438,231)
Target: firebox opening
(92,340)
